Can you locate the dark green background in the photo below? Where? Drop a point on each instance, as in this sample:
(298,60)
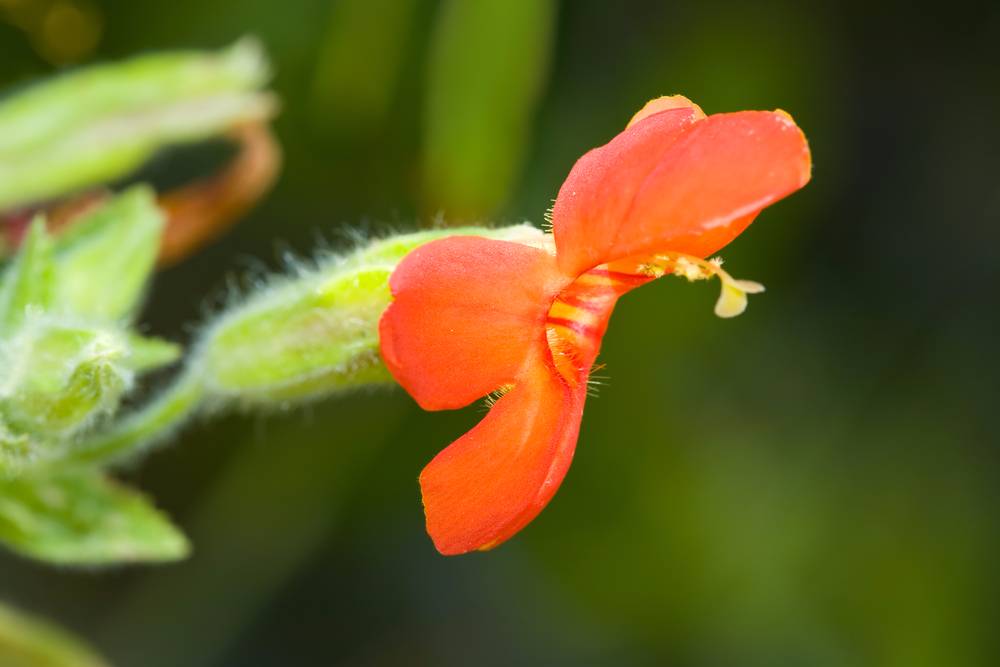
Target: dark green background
(812,484)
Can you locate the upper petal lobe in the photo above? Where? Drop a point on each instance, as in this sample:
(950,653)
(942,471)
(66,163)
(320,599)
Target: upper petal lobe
(705,187)
(598,193)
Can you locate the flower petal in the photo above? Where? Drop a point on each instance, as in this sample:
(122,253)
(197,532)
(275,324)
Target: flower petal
(494,480)
(467,313)
(707,186)
(712,182)
(598,193)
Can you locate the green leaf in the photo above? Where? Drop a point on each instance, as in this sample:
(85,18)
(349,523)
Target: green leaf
(27,641)
(148,354)
(488,63)
(104,260)
(28,281)
(98,124)
(84,519)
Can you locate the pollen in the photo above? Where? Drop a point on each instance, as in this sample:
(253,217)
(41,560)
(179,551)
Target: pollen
(650,269)
(692,270)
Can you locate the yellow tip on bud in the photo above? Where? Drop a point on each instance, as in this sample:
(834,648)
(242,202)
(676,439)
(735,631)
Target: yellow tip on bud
(666,103)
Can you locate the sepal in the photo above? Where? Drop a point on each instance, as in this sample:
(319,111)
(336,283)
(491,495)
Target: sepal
(150,353)
(28,283)
(103,262)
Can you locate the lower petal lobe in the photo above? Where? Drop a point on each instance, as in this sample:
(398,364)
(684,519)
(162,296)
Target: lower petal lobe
(491,482)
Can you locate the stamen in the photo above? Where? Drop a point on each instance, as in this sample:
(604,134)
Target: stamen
(733,296)
(577,317)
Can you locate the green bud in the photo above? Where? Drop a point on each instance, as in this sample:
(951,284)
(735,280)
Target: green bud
(103,260)
(28,282)
(97,124)
(57,378)
(314,334)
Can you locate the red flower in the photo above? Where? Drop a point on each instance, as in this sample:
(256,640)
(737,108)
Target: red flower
(524,321)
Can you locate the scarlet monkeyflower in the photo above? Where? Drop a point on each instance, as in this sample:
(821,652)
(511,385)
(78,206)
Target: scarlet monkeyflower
(523,322)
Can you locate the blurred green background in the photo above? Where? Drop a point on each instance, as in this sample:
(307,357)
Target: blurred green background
(814,483)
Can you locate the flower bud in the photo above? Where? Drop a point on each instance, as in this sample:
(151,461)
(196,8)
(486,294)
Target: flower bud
(58,378)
